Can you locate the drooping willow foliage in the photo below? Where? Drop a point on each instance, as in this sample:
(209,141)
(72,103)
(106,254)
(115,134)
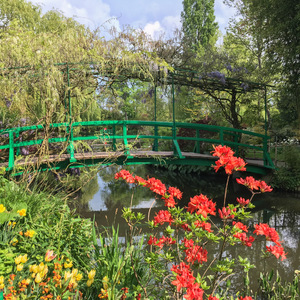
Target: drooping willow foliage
(45,59)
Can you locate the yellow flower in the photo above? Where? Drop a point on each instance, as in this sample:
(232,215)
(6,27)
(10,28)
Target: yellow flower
(68,264)
(1,279)
(89,282)
(2,208)
(105,282)
(49,255)
(92,274)
(74,272)
(33,268)
(18,259)
(38,278)
(12,224)
(20,267)
(30,233)
(67,275)
(22,212)
(24,258)
(78,276)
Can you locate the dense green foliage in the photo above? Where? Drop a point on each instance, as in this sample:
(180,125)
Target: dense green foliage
(198,23)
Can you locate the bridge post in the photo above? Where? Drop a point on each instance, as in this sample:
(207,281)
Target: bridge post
(11,159)
(114,140)
(71,145)
(197,150)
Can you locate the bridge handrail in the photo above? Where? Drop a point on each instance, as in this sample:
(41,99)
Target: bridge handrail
(69,136)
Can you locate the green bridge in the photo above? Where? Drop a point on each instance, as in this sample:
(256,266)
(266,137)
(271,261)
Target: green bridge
(83,144)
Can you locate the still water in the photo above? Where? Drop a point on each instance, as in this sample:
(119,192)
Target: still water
(104,198)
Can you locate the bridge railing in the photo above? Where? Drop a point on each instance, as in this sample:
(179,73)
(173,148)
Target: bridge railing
(119,135)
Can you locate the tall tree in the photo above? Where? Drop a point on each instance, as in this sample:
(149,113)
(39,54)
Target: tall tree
(198,23)
(275,27)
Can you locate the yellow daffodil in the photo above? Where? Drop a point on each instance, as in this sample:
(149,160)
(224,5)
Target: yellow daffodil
(74,272)
(78,276)
(20,267)
(24,258)
(38,278)
(18,259)
(92,274)
(34,268)
(89,282)
(2,208)
(22,212)
(105,282)
(68,264)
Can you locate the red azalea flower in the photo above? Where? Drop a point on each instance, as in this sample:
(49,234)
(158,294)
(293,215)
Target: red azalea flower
(240,225)
(249,182)
(213,298)
(163,216)
(169,201)
(277,251)
(175,192)
(139,296)
(125,175)
(244,239)
(225,213)
(201,205)
(203,225)
(242,201)
(152,240)
(156,186)
(222,151)
(263,187)
(140,180)
(270,233)
(165,241)
(194,293)
(246,298)
(196,253)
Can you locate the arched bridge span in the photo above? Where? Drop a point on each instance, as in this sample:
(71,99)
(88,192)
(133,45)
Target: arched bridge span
(80,144)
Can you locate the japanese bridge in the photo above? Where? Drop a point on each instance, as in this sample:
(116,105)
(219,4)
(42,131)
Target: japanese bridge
(83,144)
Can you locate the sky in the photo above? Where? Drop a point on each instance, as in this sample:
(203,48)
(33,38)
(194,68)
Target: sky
(153,16)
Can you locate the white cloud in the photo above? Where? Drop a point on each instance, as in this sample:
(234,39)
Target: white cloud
(89,12)
(154,29)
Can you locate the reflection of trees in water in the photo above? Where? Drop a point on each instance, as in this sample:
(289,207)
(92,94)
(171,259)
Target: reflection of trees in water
(118,193)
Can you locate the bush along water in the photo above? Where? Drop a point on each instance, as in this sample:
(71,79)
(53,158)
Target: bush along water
(177,255)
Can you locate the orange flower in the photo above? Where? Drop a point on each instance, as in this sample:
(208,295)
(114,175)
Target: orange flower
(30,233)
(22,212)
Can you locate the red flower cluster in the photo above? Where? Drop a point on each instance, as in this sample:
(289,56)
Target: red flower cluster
(163,216)
(125,175)
(271,235)
(240,225)
(227,160)
(269,232)
(203,225)
(225,213)
(253,184)
(195,253)
(185,279)
(161,242)
(244,239)
(202,205)
(155,185)
(242,201)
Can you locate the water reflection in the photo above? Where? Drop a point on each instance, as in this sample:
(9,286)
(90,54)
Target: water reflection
(106,197)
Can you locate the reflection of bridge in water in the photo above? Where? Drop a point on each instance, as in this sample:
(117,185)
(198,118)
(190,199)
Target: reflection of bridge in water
(83,144)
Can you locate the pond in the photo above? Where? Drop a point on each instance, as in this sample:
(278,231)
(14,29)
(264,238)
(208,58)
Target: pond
(105,197)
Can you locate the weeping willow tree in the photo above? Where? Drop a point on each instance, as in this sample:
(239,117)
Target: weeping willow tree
(45,59)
